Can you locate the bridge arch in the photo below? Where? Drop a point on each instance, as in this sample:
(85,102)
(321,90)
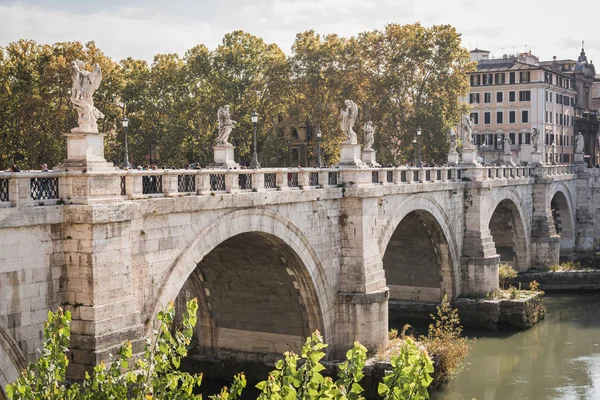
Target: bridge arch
(510,228)
(12,361)
(560,202)
(419,252)
(253,271)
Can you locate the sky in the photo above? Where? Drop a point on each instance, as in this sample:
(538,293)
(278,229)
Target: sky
(143,28)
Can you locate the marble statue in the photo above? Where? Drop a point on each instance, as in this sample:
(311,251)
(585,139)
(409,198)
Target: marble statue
(369,135)
(225,125)
(85,84)
(467,123)
(507,150)
(535,137)
(347,118)
(452,138)
(579,142)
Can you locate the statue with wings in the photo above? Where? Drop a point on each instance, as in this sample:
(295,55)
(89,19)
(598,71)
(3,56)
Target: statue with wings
(85,84)
(225,125)
(347,118)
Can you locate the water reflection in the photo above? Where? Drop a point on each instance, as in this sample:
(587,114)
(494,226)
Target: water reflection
(558,358)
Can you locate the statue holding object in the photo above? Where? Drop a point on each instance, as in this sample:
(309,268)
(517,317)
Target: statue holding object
(225,126)
(85,84)
(347,118)
(369,135)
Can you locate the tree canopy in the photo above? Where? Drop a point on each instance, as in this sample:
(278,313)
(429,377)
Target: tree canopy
(401,77)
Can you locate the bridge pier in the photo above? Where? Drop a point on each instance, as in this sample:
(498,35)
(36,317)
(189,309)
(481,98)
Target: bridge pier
(545,241)
(361,304)
(100,287)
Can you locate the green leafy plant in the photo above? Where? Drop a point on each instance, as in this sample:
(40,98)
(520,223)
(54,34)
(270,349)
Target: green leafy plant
(506,273)
(445,343)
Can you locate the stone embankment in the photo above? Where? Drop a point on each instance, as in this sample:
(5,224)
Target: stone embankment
(491,314)
(561,281)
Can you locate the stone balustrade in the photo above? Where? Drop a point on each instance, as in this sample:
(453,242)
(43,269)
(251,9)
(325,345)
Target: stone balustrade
(36,188)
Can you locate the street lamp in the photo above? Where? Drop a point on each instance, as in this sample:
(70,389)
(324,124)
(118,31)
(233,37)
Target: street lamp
(254,164)
(415,148)
(318,158)
(419,164)
(125,123)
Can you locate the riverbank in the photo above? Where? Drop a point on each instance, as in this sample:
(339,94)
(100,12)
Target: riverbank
(561,280)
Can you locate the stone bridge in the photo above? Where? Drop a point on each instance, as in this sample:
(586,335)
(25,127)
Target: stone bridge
(271,254)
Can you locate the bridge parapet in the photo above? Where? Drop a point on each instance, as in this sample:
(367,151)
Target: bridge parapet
(36,188)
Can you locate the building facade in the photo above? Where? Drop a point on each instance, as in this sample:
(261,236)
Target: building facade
(513,95)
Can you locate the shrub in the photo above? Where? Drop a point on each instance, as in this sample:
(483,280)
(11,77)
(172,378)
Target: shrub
(156,375)
(445,344)
(506,273)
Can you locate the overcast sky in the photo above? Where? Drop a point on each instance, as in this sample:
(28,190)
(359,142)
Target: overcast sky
(143,28)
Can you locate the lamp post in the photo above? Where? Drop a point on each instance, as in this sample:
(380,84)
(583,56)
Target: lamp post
(419,164)
(318,158)
(254,164)
(125,123)
(415,147)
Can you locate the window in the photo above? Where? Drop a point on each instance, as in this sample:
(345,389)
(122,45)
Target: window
(525,116)
(499,97)
(528,138)
(560,119)
(566,100)
(487,118)
(524,77)
(488,79)
(512,77)
(475,118)
(499,117)
(572,101)
(558,98)
(548,77)
(550,95)
(511,95)
(487,97)
(560,81)
(475,80)
(524,95)
(512,116)
(546,116)
(546,95)
(500,78)
(512,138)
(474,98)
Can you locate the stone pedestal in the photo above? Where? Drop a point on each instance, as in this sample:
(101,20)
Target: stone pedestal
(224,157)
(579,158)
(537,159)
(85,152)
(369,157)
(350,155)
(469,157)
(507,159)
(453,158)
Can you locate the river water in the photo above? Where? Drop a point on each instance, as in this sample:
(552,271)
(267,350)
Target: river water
(559,358)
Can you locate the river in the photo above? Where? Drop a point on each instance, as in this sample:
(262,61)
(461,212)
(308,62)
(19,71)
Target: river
(559,358)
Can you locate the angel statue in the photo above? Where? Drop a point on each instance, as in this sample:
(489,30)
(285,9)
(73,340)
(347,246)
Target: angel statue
(467,123)
(347,118)
(225,125)
(579,143)
(85,84)
(535,135)
(452,138)
(507,149)
(369,135)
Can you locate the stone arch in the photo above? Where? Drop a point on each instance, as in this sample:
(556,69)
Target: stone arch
(12,361)
(510,228)
(430,230)
(298,279)
(560,202)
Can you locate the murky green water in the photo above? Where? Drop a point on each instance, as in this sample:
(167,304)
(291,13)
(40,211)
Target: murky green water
(558,358)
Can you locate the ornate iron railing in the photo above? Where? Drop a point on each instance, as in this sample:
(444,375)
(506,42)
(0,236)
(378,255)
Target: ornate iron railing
(43,188)
(293,179)
(152,184)
(3,189)
(332,178)
(245,181)
(217,182)
(270,181)
(123,186)
(313,179)
(186,183)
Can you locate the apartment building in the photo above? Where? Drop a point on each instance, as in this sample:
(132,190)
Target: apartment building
(514,94)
